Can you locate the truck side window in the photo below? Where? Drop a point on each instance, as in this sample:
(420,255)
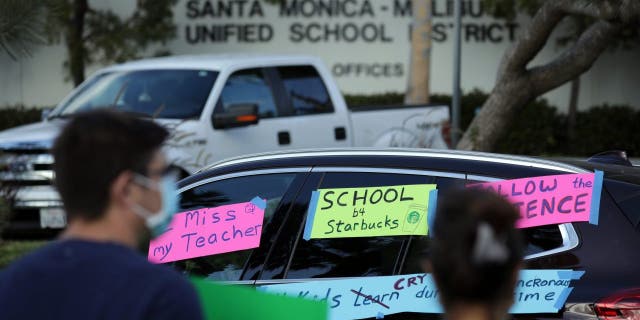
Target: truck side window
(248,86)
(229,266)
(306,90)
(351,257)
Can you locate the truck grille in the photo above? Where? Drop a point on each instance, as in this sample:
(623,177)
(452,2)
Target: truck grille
(26,176)
(20,168)
(27,172)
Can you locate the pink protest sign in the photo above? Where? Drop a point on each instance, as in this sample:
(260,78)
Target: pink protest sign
(552,199)
(208,231)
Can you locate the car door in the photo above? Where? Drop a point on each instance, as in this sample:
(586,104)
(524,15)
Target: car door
(546,247)
(277,186)
(343,257)
(541,243)
(319,259)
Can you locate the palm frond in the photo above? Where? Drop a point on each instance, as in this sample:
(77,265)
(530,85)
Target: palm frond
(22,26)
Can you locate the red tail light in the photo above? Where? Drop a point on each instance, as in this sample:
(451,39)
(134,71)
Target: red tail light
(623,305)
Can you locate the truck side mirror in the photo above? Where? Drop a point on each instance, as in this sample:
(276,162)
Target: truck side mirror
(236,115)
(45,113)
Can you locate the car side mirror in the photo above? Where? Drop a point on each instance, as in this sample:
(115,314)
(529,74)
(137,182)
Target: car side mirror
(236,115)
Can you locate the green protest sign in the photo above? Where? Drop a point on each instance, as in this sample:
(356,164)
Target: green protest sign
(228,302)
(370,212)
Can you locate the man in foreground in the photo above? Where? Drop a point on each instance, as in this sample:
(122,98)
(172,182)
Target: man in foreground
(114,183)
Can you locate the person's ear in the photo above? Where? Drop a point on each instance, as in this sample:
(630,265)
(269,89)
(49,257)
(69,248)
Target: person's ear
(513,280)
(426,266)
(516,272)
(121,190)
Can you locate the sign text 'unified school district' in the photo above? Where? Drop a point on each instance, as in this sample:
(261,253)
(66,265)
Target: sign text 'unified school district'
(370,212)
(208,231)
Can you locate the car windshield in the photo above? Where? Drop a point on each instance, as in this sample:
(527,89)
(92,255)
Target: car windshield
(176,94)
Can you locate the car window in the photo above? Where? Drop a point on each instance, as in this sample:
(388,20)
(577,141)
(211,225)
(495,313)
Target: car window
(229,266)
(248,86)
(350,257)
(418,245)
(627,196)
(306,90)
(537,239)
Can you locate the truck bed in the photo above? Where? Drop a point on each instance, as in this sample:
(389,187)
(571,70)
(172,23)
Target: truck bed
(407,126)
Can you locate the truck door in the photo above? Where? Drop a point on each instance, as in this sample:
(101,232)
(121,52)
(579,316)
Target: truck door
(249,86)
(313,121)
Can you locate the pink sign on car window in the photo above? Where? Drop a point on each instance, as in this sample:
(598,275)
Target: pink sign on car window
(552,199)
(208,231)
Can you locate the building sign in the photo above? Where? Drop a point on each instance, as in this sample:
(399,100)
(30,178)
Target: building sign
(384,26)
(364,43)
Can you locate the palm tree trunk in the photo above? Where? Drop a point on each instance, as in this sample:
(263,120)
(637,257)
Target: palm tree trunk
(75,43)
(418,88)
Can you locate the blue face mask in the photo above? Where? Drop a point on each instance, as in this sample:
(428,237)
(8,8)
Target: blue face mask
(157,222)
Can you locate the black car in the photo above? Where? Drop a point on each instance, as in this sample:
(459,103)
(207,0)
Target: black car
(607,252)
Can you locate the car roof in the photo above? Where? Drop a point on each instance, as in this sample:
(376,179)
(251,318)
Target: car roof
(364,152)
(474,164)
(213,61)
(629,174)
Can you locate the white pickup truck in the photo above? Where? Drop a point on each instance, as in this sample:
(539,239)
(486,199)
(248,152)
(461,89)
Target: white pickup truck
(216,106)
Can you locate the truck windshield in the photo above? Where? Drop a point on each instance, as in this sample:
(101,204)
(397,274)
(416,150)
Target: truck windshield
(176,94)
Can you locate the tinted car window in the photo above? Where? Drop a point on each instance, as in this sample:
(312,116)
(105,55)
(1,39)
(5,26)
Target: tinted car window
(229,266)
(418,245)
(537,239)
(627,196)
(306,90)
(351,257)
(248,87)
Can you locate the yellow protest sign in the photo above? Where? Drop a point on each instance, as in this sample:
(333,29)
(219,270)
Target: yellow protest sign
(370,212)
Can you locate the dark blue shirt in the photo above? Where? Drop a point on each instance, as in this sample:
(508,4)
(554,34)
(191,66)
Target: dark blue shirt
(75,279)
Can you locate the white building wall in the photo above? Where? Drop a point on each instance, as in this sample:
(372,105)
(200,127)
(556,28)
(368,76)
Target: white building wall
(39,80)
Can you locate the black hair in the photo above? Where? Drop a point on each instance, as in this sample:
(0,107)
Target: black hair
(93,149)
(463,271)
